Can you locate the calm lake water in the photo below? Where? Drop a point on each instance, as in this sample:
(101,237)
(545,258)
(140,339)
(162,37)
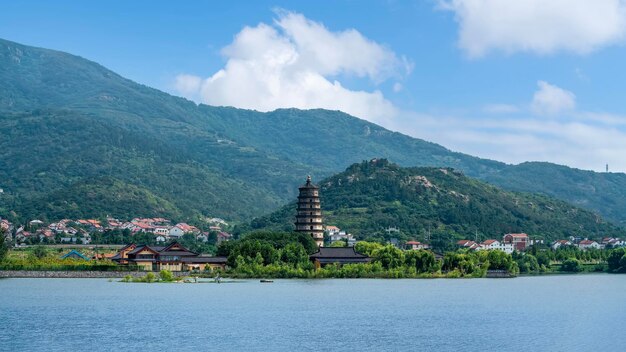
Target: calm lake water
(550,313)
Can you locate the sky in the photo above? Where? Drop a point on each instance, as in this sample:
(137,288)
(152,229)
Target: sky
(515,81)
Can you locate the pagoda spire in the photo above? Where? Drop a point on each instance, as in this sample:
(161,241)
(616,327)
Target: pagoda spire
(309,212)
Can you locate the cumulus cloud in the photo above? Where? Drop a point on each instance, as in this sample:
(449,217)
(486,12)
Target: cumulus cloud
(579,142)
(537,26)
(296,62)
(551,100)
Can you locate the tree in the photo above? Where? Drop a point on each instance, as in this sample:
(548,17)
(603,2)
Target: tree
(39,252)
(423,261)
(389,257)
(615,258)
(367,248)
(339,244)
(294,253)
(571,265)
(166,276)
(4,249)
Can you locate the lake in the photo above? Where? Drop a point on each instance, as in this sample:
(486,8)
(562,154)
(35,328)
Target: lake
(546,313)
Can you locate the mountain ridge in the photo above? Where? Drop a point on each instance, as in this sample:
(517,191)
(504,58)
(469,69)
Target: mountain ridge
(438,204)
(251,159)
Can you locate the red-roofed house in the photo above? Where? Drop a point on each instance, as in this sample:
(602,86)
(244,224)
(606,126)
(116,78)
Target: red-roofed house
(519,241)
(415,245)
(468,244)
(560,243)
(588,244)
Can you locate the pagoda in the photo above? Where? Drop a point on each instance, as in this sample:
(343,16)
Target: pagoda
(309,215)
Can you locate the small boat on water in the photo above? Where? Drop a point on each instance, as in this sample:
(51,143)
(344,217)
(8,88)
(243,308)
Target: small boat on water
(266,281)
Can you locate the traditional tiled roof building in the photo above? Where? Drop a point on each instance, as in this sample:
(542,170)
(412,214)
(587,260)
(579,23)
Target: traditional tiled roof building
(173,257)
(337,255)
(309,213)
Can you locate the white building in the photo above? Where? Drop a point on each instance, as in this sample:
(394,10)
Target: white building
(588,244)
(560,243)
(415,245)
(176,232)
(496,245)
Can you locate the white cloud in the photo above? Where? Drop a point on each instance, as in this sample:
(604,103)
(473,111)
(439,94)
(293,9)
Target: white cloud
(551,100)
(538,26)
(580,143)
(296,62)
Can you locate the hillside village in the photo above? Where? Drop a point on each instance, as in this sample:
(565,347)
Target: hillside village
(80,231)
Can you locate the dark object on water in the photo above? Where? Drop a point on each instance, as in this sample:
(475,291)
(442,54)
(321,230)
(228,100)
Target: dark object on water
(266,281)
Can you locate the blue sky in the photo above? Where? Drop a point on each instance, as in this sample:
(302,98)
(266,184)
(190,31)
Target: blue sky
(514,82)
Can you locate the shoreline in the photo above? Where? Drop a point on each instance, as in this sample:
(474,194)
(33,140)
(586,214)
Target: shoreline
(67,274)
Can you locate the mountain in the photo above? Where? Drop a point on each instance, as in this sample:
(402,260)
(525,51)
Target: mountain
(371,196)
(66,122)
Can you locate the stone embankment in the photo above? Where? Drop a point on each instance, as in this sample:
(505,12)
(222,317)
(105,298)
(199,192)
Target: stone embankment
(75,274)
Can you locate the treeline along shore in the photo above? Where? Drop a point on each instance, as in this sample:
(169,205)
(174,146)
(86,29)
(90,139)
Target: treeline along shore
(289,255)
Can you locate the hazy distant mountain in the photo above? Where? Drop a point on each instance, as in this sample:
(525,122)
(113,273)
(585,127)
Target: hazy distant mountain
(66,122)
(440,203)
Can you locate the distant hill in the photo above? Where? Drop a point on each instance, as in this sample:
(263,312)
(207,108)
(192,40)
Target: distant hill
(66,122)
(369,197)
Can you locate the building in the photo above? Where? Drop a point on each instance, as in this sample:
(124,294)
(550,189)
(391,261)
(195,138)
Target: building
(560,243)
(496,245)
(173,257)
(468,244)
(519,241)
(415,245)
(73,254)
(342,236)
(309,212)
(588,244)
(337,255)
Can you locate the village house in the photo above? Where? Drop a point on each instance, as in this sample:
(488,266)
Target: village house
(560,243)
(342,236)
(613,242)
(520,241)
(173,257)
(468,244)
(492,244)
(176,232)
(415,245)
(223,236)
(588,244)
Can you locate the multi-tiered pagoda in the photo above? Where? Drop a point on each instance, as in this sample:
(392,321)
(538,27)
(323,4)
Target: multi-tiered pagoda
(309,216)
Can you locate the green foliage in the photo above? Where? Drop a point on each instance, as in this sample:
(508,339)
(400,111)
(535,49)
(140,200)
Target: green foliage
(371,196)
(81,141)
(150,277)
(367,248)
(571,265)
(423,261)
(39,252)
(617,260)
(4,249)
(57,264)
(389,257)
(528,264)
(166,276)
(339,244)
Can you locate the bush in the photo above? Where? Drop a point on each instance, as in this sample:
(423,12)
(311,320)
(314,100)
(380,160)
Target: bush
(571,265)
(166,276)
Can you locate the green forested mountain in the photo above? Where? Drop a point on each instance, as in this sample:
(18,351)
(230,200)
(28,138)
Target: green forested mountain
(370,197)
(67,123)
